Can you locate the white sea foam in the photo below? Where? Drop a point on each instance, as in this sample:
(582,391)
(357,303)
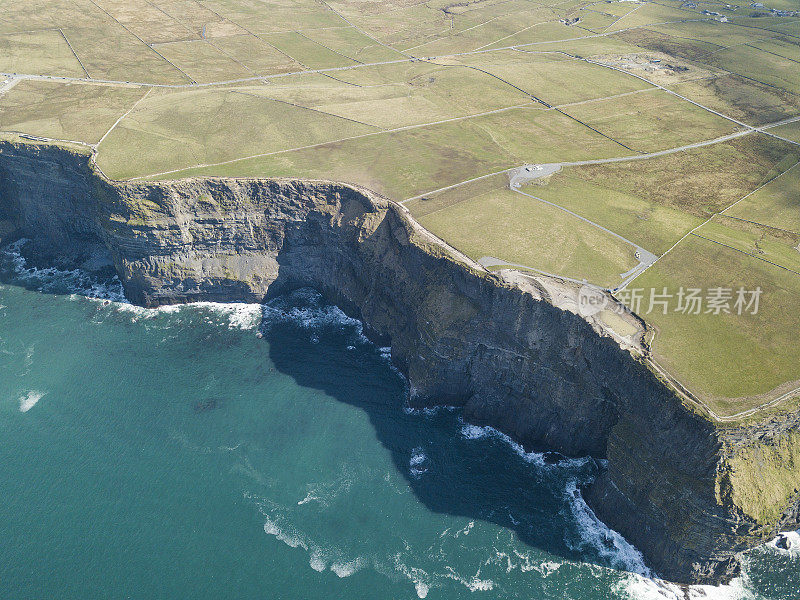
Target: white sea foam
(639,583)
(476,432)
(427,411)
(325,492)
(306,308)
(549,567)
(479,585)
(54,280)
(466,531)
(321,556)
(416,463)
(790,539)
(291,539)
(240,315)
(29,400)
(80,283)
(316,558)
(309,498)
(347,568)
(417,576)
(502,559)
(606,542)
(417,457)
(473,584)
(637,587)
(230,448)
(524,562)
(317,562)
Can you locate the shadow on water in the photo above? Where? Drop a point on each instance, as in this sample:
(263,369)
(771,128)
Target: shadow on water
(446,467)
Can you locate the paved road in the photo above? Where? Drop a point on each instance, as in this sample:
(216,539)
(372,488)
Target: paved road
(7,85)
(326,70)
(645,257)
(724,138)
(352,137)
(491,261)
(526,173)
(522,175)
(553,167)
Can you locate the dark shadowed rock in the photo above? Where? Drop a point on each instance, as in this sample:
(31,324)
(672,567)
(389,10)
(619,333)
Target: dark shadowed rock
(514,353)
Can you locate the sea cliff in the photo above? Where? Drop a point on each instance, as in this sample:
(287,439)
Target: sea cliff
(688,492)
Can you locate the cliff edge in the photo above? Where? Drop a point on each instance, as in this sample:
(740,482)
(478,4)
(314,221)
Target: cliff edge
(688,492)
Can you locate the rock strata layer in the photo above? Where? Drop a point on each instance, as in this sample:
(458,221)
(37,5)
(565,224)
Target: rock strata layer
(689,493)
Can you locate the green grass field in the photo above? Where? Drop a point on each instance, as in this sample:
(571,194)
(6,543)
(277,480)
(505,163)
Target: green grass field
(777,204)
(156,130)
(203,62)
(408,98)
(45,52)
(411,95)
(76,111)
(350,42)
(760,64)
(650,224)
(146,20)
(651,121)
(702,181)
(256,54)
(773,245)
(521,230)
(647,14)
(743,99)
(731,361)
(439,200)
(555,78)
(407,163)
(306,51)
(790,131)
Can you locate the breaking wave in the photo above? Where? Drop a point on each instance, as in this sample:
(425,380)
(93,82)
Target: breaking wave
(416,464)
(601,539)
(52,280)
(307,309)
(29,400)
(540,459)
(637,587)
(787,541)
(109,290)
(320,557)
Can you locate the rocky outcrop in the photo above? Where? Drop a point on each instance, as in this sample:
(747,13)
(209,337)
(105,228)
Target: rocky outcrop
(678,486)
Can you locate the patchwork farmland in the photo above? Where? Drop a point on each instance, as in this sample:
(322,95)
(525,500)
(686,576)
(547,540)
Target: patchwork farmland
(670,132)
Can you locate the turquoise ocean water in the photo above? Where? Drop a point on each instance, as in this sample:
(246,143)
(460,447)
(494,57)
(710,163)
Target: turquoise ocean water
(246,451)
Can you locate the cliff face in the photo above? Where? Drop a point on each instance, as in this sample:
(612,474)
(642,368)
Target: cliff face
(677,486)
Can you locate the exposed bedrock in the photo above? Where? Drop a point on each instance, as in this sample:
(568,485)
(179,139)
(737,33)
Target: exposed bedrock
(688,493)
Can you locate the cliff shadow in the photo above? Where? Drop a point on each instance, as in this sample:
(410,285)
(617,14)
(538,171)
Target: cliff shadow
(450,466)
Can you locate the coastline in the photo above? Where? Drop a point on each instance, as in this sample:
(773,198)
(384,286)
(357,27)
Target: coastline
(502,349)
